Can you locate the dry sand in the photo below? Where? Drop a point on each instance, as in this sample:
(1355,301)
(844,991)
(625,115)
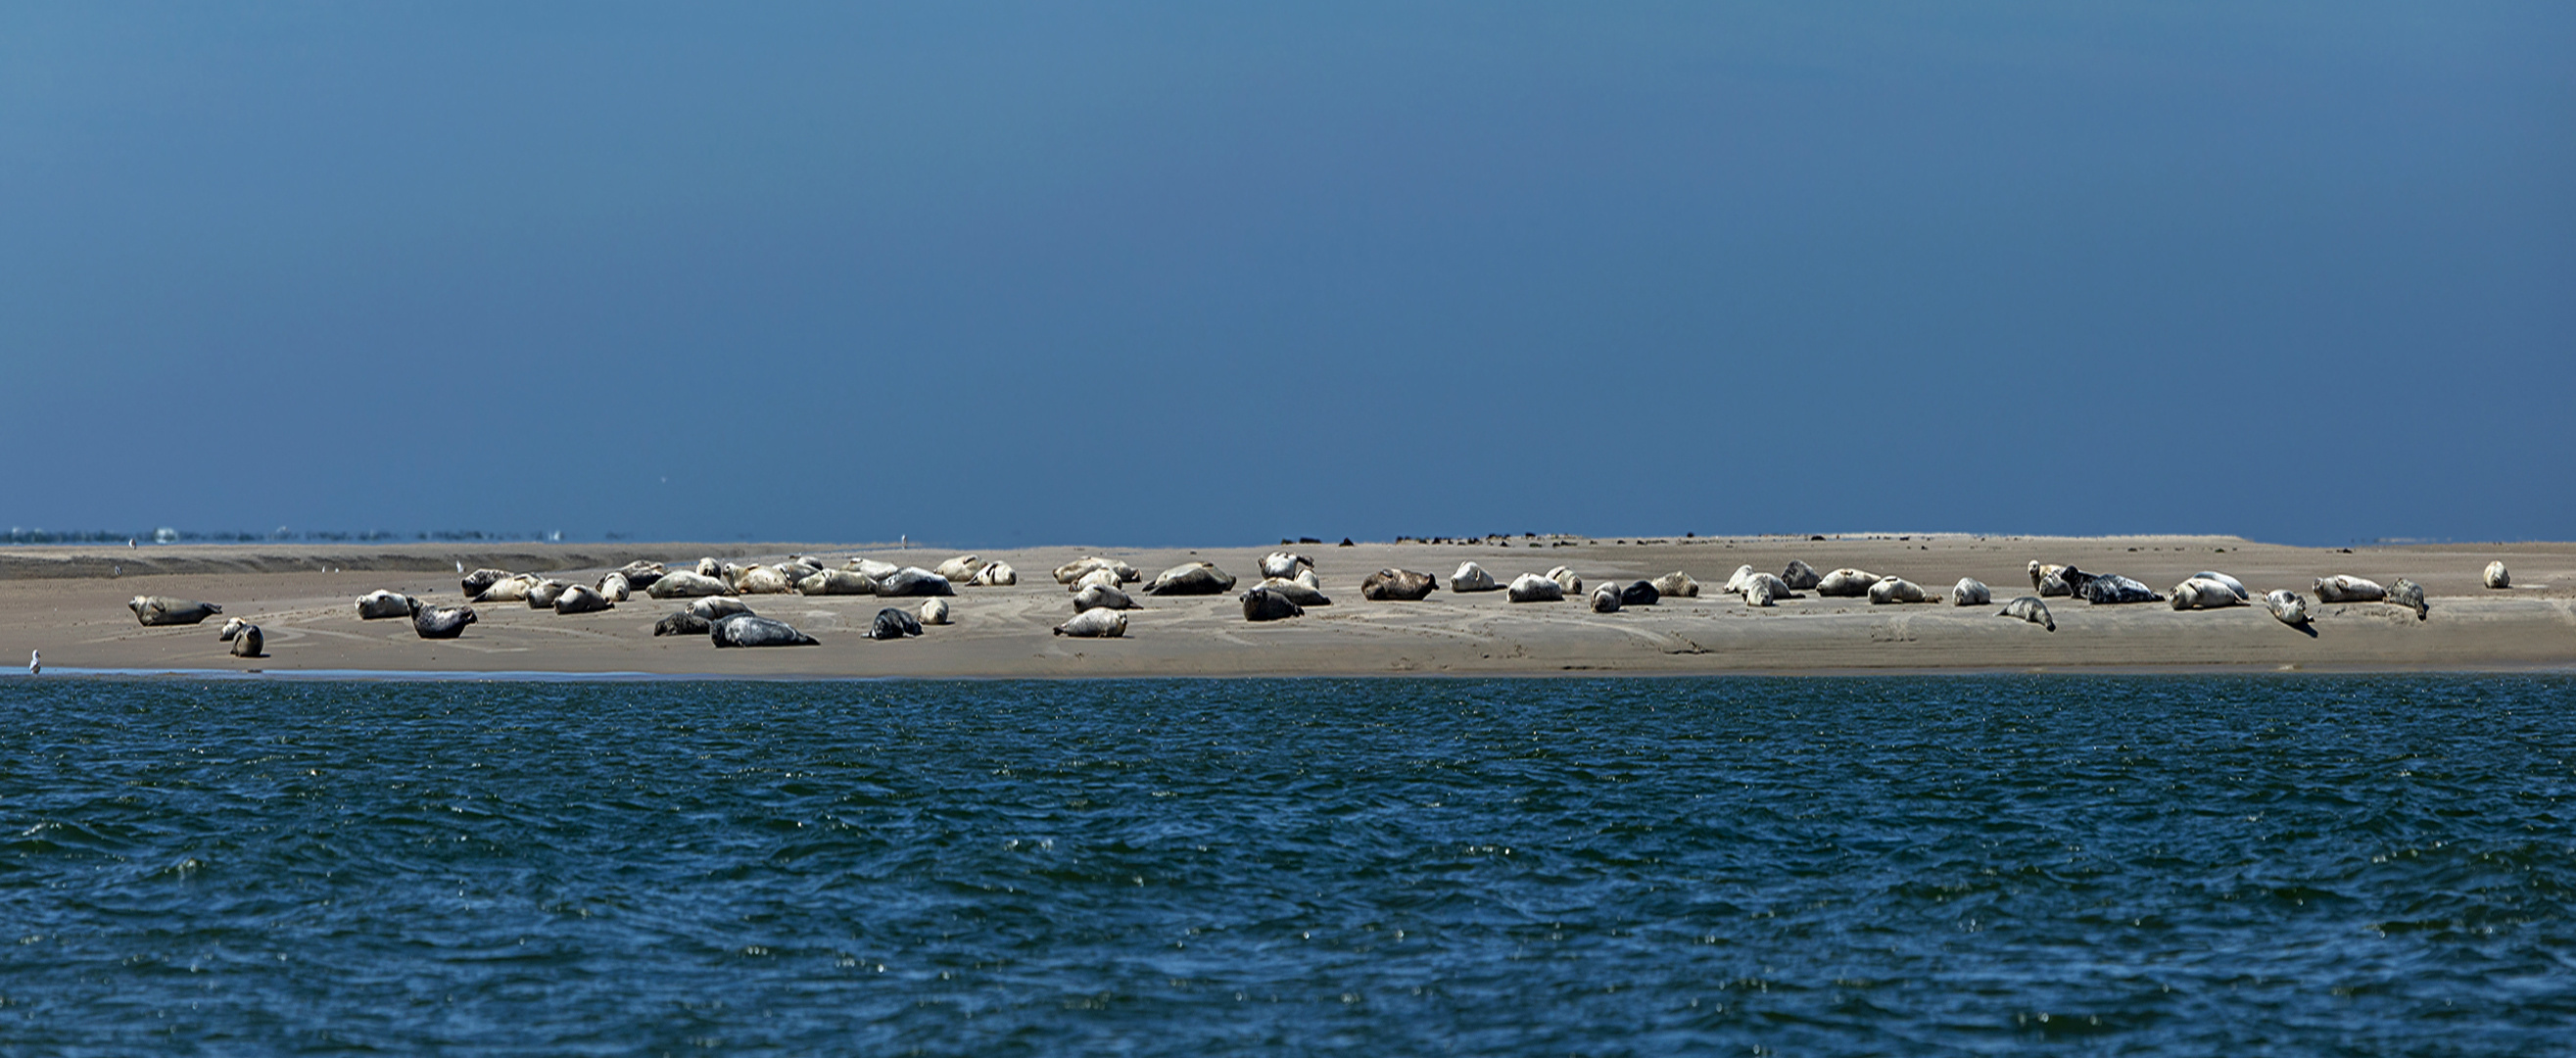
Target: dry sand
(70,603)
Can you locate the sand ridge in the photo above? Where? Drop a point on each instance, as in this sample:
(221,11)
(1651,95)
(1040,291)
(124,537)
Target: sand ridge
(73,609)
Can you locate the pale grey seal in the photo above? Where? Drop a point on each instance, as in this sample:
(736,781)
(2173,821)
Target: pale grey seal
(2232,583)
(1297,591)
(1565,578)
(960,569)
(2111,589)
(156,610)
(640,574)
(1472,577)
(1887,590)
(1100,623)
(614,587)
(2287,607)
(2203,593)
(2496,577)
(1263,604)
(475,582)
(2344,587)
(1677,584)
(837,582)
(1072,571)
(997,575)
(912,581)
(580,598)
(1102,597)
(747,630)
(542,595)
(873,569)
(2410,595)
(512,588)
(1605,599)
(1971,592)
(1762,589)
(764,580)
(1531,587)
(2031,609)
(1192,578)
(1283,565)
(380,604)
(934,611)
(1845,583)
(1398,585)
(894,623)
(718,607)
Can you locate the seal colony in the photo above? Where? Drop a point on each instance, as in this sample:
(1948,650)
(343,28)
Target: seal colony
(1680,602)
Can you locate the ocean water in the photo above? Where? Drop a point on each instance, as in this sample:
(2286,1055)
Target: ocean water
(1949,865)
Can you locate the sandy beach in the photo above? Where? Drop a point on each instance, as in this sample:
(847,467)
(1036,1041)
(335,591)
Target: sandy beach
(69,602)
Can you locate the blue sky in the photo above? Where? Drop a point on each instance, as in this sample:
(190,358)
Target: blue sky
(1003,274)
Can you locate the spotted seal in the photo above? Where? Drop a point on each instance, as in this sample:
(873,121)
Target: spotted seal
(380,604)
(158,610)
(1800,576)
(2202,593)
(934,611)
(2287,607)
(1530,587)
(581,598)
(837,582)
(1263,604)
(1971,592)
(682,623)
(911,581)
(751,630)
(1102,597)
(1678,585)
(2344,587)
(2031,609)
(441,622)
(893,623)
(1192,578)
(2410,595)
(1845,583)
(1887,590)
(686,585)
(1398,585)
(2109,589)
(1471,577)
(1100,623)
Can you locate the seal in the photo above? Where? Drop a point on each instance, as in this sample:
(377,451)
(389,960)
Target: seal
(837,582)
(1761,589)
(1104,577)
(1192,578)
(871,568)
(961,568)
(681,623)
(934,611)
(1801,576)
(1605,599)
(1283,565)
(2287,607)
(1472,577)
(708,567)
(2202,593)
(475,582)
(2109,589)
(1072,571)
(1100,623)
(687,585)
(912,581)
(1102,597)
(717,607)
(379,604)
(1530,587)
(2031,609)
(762,580)
(1397,585)
(1735,581)
(1887,590)
(1677,584)
(542,595)
(2344,587)
(1565,578)
(1297,591)
(157,610)
(1263,604)
(893,623)
(232,627)
(512,588)
(2039,574)
(1971,592)
(441,622)
(246,639)
(614,587)
(640,574)
(2232,583)
(2496,577)
(2410,595)
(997,575)
(1638,593)
(1845,583)
(747,630)
(581,599)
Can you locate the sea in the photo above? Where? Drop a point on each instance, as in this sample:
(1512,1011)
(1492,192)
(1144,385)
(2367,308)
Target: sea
(1923,865)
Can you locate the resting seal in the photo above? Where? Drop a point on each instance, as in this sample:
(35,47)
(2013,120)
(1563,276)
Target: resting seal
(746,630)
(1297,591)
(913,581)
(997,575)
(686,585)
(580,599)
(2496,577)
(1192,578)
(1735,581)
(2287,607)
(1397,585)
(1073,571)
(245,637)
(542,594)
(439,622)
(1800,576)
(934,611)
(682,623)
(2202,593)
(1761,589)
(1677,584)
(1845,583)
(1102,623)
(614,587)
(960,568)
(1530,587)
(2029,608)
(2232,583)
(2347,588)
(1283,565)
(871,568)
(1102,597)
(1263,604)
(381,604)
(475,582)
(2111,588)
(1605,599)
(1472,577)
(1107,578)
(1888,590)
(640,574)
(893,623)
(718,607)
(155,610)
(708,567)
(1638,593)
(1565,578)
(1971,592)
(2410,595)
(762,580)
(837,582)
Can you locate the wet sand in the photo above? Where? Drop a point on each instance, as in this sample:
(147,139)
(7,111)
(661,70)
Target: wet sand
(70,603)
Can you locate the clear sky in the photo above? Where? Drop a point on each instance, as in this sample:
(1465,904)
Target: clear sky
(1221,273)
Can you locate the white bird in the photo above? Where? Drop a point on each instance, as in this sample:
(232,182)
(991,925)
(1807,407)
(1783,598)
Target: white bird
(460,565)
(35,662)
